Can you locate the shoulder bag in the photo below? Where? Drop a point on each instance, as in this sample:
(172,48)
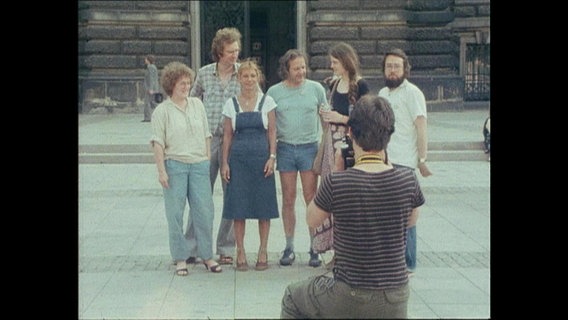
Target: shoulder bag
(318,160)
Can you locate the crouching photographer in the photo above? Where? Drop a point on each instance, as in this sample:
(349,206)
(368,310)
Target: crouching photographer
(371,204)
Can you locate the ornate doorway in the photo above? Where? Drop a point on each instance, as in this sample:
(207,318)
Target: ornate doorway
(268,29)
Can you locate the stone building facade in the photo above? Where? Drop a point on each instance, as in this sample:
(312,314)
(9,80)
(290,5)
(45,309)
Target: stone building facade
(115,36)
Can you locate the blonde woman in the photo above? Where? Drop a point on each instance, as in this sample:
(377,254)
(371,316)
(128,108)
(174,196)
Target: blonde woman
(247,167)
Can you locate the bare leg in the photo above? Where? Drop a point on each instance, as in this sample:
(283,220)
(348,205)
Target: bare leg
(288,181)
(262,258)
(309,186)
(239,226)
(263,230)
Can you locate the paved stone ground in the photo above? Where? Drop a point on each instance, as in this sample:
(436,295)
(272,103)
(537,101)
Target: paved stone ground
(155,263)
(125,270)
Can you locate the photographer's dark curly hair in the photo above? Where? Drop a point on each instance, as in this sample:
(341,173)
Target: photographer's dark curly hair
(372,122)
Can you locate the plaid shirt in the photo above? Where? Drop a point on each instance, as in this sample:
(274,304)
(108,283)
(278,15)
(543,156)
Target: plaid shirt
(210,90)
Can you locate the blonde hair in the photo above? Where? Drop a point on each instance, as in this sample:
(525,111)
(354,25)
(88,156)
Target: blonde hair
(249,64)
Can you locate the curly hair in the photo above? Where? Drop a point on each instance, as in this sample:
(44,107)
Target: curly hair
(224,37)
(372,122)
(171,74)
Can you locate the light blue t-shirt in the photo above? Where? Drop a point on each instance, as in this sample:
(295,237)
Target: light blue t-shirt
(297,116)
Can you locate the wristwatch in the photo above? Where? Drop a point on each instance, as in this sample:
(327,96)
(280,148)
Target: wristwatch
(422,160)
(272,156)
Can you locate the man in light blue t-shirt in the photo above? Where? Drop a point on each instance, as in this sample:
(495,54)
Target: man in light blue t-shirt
(298,132)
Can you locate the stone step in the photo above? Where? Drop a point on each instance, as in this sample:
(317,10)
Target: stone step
(100,158)
(443,155)
(454,145)
(115,148)
(457,155)
(145,148)
(129,153)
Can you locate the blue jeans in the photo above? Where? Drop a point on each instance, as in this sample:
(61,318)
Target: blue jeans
(410,252)
(225,234)
(189,182)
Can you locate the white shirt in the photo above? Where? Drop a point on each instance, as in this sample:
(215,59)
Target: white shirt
(269,104)
(408,103)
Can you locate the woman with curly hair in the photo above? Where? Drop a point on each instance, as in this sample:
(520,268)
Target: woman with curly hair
(181,141)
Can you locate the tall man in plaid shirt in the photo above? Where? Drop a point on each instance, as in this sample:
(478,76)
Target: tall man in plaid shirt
(214,85)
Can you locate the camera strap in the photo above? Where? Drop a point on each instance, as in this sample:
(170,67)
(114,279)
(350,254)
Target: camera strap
(369,159)
(333,88)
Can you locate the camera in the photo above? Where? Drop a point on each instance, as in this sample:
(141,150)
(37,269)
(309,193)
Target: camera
(347,152)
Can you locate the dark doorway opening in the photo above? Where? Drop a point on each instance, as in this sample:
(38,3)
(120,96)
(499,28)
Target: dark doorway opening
(268,28)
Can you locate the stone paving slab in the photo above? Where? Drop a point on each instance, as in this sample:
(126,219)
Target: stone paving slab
(125,271)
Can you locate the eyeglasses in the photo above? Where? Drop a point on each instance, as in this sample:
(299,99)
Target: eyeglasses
(393,66)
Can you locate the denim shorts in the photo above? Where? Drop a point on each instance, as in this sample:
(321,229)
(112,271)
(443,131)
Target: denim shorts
(296,157)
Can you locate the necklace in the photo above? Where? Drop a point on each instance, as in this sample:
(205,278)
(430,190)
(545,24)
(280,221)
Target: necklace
(248,104)
(369,159)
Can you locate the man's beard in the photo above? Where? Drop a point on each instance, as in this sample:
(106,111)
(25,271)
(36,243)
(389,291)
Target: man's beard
(394,83)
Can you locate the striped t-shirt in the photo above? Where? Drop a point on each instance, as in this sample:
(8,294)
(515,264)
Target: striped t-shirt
(370,212)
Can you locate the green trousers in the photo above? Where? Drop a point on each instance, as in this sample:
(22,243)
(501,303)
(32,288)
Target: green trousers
(323,297)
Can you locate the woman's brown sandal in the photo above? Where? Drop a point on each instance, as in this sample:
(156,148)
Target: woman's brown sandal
(241,266)
(261,265)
